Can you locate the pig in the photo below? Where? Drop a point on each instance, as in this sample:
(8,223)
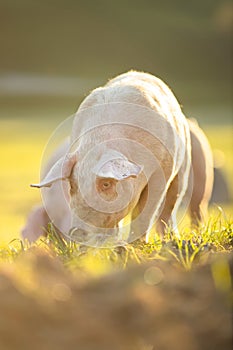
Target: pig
(202,174)
(38,219)
(131,151)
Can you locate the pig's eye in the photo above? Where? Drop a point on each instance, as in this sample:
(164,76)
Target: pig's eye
(106,185)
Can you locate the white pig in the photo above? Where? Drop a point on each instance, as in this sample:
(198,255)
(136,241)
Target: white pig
(130,152)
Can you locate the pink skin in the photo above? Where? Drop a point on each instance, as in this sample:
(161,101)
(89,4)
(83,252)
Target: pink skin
(202,165)
(38,219)
(157,145)
(35,227)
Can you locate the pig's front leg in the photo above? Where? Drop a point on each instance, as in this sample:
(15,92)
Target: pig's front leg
(148,208)
(167,217)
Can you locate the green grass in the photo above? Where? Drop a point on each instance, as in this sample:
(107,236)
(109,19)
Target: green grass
(55,287)
(192,247)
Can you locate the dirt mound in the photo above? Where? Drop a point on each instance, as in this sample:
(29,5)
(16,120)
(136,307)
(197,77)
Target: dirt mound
(153,306)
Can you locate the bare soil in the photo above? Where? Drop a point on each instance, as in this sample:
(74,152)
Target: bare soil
(152,306)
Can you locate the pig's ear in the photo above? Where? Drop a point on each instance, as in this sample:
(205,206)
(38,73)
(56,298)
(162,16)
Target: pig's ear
(118,169)
(61,170)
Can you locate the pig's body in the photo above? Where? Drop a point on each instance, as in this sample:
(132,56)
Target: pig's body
(202,175)
(130,153)
(55,204)
(138,116)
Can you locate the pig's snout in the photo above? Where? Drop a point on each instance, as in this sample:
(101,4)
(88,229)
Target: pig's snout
(96,238)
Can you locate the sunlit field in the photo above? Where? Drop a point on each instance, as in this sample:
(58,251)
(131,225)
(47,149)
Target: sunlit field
(172,292)
(22,142)
(66,293)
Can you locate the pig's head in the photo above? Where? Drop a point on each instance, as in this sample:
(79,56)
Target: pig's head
(102,191)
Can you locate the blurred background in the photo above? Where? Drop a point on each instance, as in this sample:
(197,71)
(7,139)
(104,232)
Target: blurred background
(54,52)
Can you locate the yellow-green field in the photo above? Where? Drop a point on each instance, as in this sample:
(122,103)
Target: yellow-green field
(22,142)
(58,294)
(170,293)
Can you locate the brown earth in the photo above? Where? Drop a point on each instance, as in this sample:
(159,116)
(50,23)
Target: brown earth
(152,306)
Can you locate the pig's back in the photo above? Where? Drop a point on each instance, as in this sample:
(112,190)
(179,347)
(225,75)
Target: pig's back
(117,101)
(140,89)
(160,98)
(163,99)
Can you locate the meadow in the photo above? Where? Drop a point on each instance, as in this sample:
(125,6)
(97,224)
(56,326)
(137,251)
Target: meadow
(57,294)
(24,134)
(170,293)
